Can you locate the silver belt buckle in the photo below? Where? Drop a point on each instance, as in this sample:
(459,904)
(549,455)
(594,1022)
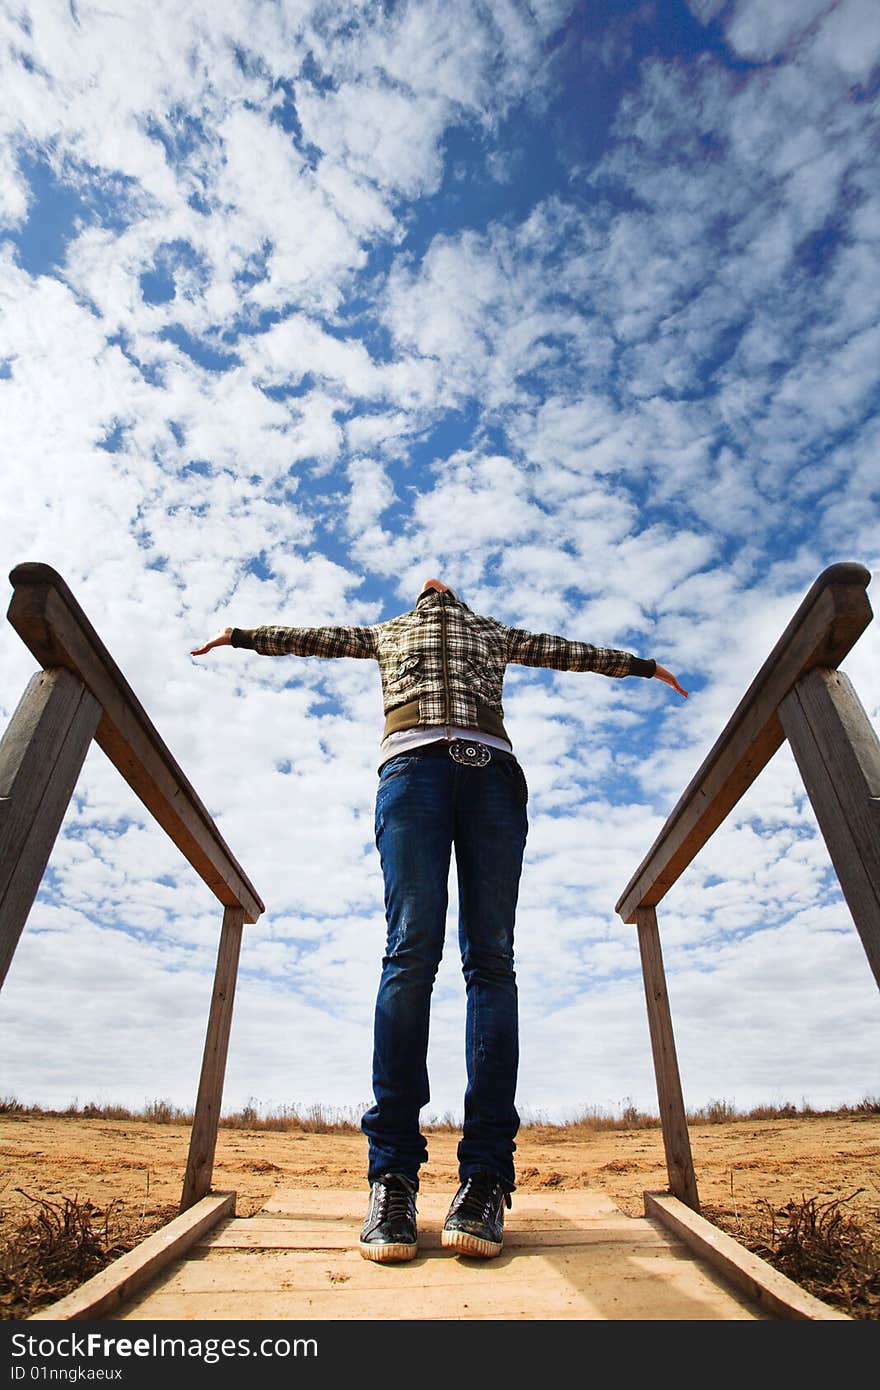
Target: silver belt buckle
(469,754)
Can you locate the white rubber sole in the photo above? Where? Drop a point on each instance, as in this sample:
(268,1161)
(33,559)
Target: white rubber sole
(387,1254)
(466,1244)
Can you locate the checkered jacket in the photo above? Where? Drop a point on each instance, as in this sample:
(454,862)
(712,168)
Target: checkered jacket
(442,664)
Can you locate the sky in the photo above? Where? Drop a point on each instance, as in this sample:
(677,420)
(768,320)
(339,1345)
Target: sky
(575,306)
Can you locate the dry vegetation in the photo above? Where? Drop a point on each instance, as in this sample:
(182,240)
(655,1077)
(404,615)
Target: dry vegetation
(819,1245)
(50,1243)
(62,1244)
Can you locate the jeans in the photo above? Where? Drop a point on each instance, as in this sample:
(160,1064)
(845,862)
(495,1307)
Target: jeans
(425,804)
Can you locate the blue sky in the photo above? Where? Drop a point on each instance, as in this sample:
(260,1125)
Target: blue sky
(573,305)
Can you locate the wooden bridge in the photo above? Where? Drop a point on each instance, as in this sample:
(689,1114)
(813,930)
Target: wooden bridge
(569,1255)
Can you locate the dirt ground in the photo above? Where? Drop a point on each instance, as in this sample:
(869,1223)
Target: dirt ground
(739,1164)
(748,1174)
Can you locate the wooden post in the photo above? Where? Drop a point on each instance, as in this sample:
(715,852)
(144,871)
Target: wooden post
(838,754)
(203,1140)
(41,755)
(676,1140)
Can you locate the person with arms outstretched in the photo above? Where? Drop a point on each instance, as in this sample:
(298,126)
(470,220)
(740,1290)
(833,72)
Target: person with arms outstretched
(448,778)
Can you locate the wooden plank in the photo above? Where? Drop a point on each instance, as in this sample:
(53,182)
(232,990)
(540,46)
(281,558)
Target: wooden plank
(772,1290)
(624,1281)
(673,1119)
(241,1235)
(203,1139)
(312,1271)
(636,1303)
(41,755)
(52,624)
(289,1229)
(105,1292)
(829,621)
(838,754)
(352,1203)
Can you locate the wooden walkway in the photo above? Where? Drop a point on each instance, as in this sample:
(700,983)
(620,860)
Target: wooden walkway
(567,1255)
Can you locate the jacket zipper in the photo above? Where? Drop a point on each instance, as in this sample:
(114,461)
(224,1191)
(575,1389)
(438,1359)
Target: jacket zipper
(445,681)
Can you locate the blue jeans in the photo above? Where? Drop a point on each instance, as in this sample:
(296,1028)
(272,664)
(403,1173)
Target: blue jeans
(425,804)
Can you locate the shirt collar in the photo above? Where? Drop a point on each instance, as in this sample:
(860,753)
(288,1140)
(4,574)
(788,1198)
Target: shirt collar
(435,596)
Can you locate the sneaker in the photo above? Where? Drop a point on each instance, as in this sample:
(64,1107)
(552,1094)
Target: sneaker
(475,1222)
(389,1231)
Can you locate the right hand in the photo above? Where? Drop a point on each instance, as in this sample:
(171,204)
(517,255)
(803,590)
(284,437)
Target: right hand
(222,639)
(661,674)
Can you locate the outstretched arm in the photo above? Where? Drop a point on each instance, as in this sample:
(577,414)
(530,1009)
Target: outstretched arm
(561,654)
(296,641)
(661,674)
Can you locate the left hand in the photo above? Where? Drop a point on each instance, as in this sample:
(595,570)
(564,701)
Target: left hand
(222,639)
(661,674)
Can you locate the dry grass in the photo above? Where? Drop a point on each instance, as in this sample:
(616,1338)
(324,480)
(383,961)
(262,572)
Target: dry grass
(820,1246)
(59,1245)
(322,1119)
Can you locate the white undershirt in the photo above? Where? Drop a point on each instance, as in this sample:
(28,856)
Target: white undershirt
(413,738)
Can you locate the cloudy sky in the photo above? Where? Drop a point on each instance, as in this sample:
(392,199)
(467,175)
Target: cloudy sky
(575,305)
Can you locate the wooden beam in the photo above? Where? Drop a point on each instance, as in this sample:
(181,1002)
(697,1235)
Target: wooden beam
(676,1139)
(41,754)
(838,754)
(777,1293)
(101,1295)
(203,1140)
(52,624)
(829,621)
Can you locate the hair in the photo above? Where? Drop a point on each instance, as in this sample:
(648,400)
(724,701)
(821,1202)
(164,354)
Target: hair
(454,592)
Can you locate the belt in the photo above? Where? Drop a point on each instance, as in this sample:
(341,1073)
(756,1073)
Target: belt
(466,751)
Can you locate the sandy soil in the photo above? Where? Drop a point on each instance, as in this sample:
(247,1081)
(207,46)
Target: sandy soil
(738,1164)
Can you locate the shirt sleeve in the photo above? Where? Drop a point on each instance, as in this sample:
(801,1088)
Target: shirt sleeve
(561,654)
(307,641)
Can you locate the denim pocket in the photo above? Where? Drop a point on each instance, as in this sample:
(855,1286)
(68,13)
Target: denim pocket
(394,766)
(518,780)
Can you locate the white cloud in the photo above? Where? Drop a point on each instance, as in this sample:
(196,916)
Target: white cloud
(850,38)
(760,31)
(706,10)
(380,134)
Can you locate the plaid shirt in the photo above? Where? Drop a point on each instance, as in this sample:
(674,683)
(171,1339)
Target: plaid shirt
(443,656)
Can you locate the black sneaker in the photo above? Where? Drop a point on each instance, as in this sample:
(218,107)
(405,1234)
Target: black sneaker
(389,1231)
(475,1222)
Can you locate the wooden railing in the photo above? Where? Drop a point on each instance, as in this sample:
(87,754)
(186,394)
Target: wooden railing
(80,694)
(798,694)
